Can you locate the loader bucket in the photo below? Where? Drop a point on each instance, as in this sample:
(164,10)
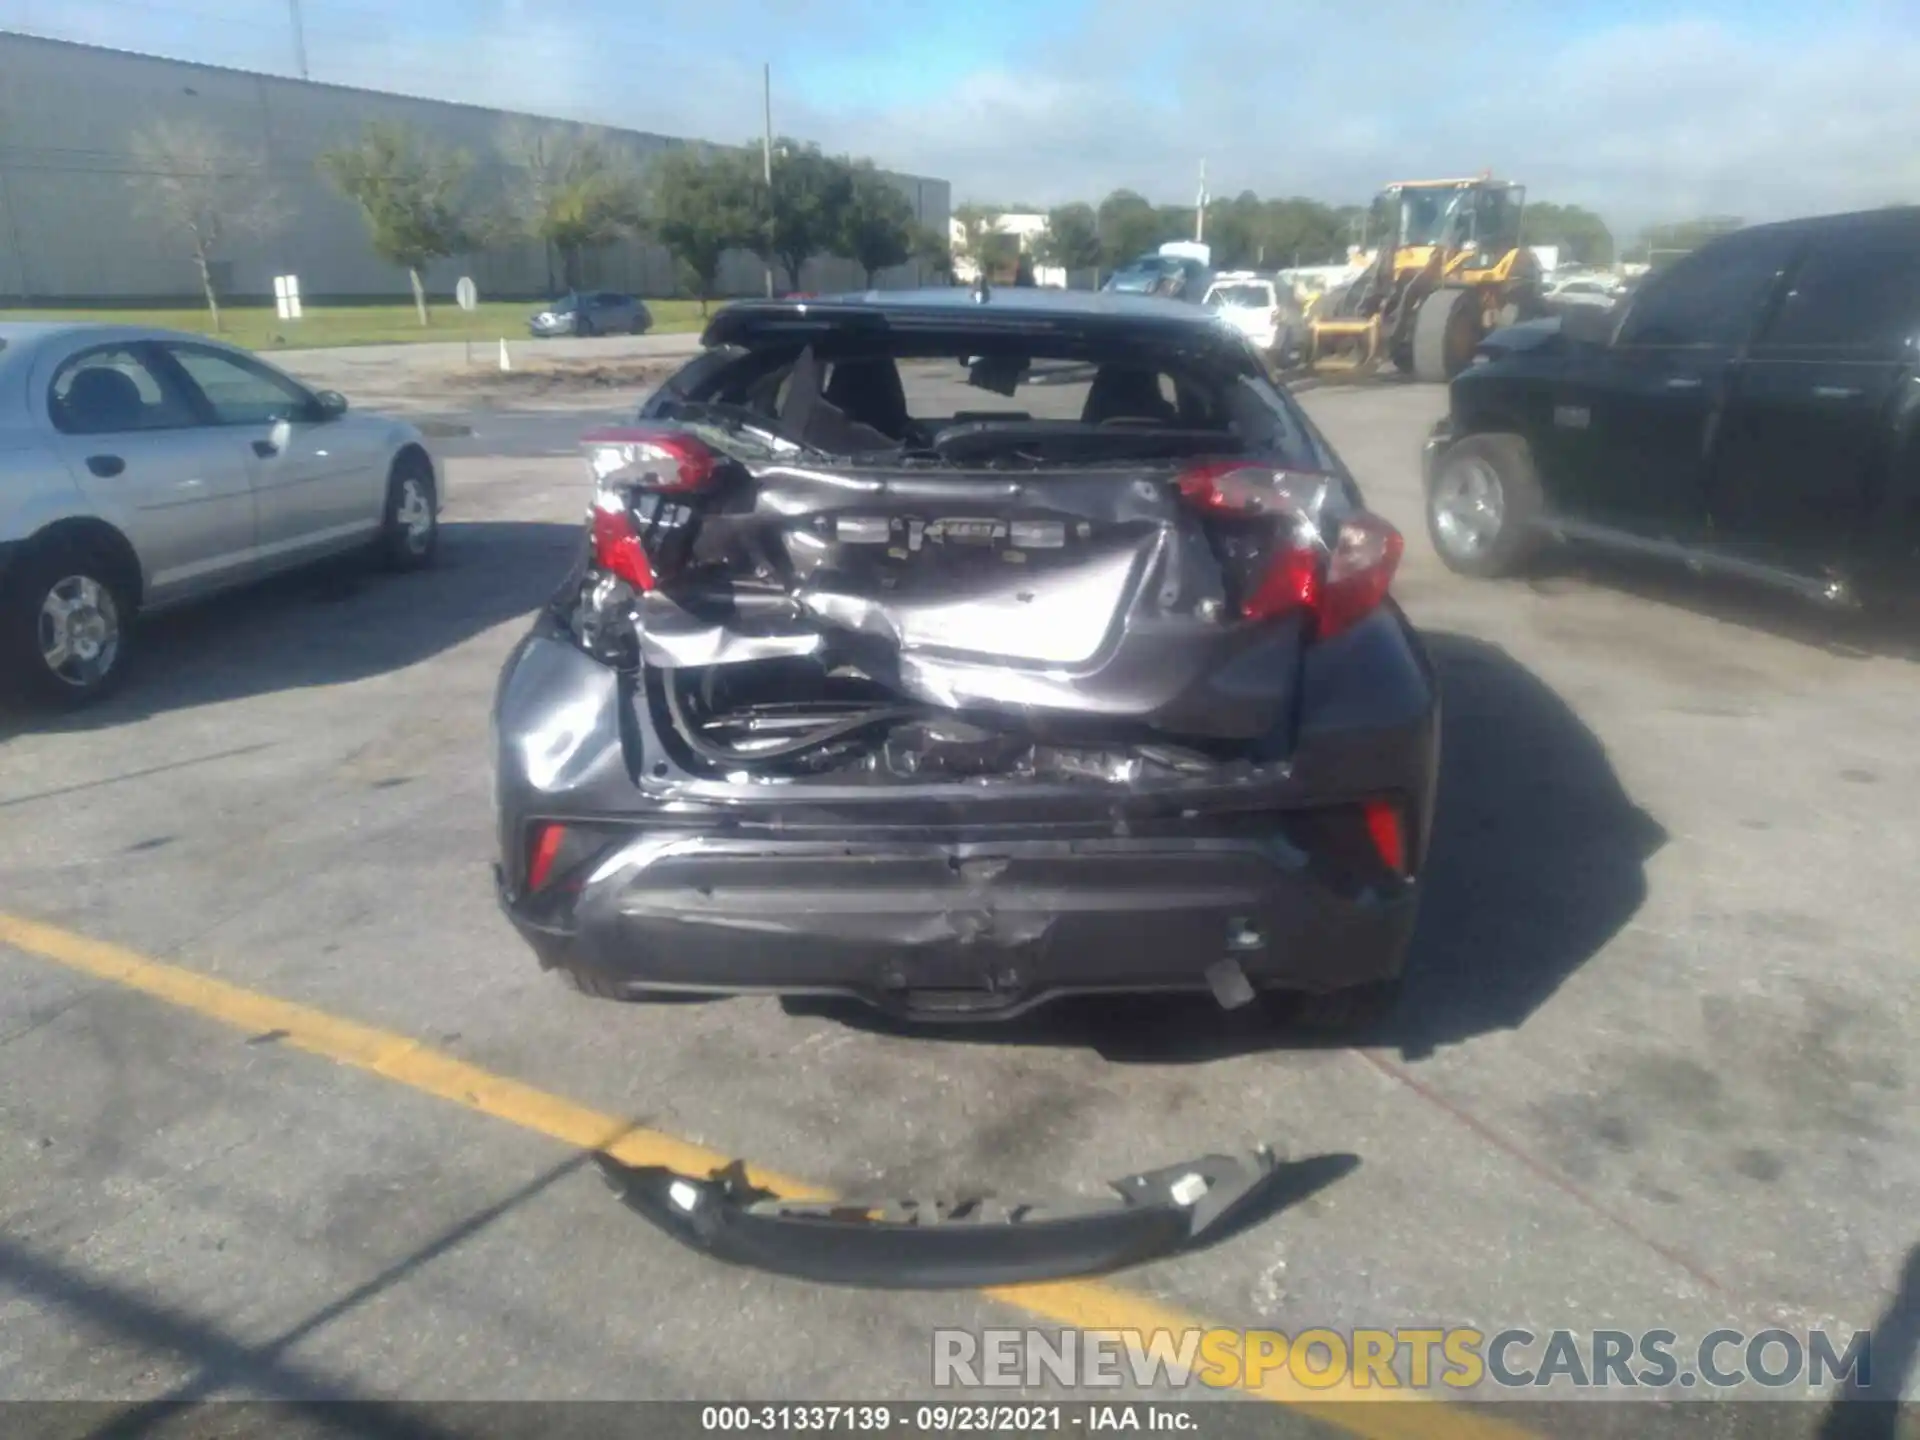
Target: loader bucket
(1342,346)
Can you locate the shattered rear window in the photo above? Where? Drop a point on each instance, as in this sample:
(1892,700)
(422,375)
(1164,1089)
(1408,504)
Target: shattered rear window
(1047,396)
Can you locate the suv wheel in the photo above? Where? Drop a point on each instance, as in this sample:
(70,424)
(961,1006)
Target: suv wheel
(65,625)
(1483,505)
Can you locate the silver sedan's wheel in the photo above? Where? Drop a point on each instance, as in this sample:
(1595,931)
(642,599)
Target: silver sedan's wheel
(410,536)
(67,613)
(1469,507)
(78,631)
(413,516)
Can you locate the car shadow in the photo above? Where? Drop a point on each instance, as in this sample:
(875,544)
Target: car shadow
(340,621)
(1538,859)
(1868,1406)
(1892,631)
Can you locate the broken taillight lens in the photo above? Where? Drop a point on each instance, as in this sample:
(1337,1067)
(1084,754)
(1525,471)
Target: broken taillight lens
(1294,568)
(630,465)
(1360,570)
(617,547)
(665,461)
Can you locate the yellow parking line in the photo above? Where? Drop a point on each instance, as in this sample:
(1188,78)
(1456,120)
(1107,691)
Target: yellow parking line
(1083,1304)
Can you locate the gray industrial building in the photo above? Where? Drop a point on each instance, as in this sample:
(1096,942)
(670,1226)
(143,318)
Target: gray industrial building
(73,227)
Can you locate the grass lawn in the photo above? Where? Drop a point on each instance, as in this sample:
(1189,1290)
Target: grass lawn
(259,328)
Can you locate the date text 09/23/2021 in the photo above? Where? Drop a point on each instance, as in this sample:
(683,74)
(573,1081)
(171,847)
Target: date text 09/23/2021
(940,1419)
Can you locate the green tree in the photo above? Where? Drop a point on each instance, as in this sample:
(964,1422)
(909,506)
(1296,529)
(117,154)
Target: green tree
(572,191)
(414,195)
(934,251)
(1581,235)
(1175,222)
(811,192)
(1128,227)
(1299,231)
(876,222)
(704,207)
(1072,238)
(196,183)
(1236,232)
(981,242)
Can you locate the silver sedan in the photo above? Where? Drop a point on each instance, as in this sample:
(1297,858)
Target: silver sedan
(140,468)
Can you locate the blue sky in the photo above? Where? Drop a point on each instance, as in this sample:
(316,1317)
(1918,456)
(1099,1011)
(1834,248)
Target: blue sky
(1642,109)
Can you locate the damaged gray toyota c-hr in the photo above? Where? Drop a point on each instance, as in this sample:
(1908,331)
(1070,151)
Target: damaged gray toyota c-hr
(867,685)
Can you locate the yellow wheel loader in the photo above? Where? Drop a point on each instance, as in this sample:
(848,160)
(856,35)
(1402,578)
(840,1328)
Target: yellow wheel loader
(1450,269)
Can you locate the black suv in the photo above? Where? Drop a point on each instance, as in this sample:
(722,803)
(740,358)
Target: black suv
(1752,409)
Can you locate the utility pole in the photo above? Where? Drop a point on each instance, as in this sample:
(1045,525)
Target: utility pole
(1200,209)
(766,164)
(299,37)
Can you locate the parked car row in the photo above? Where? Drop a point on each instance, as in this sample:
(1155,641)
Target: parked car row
(143,468)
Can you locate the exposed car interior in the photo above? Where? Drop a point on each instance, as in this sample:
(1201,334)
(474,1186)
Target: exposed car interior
(854,402)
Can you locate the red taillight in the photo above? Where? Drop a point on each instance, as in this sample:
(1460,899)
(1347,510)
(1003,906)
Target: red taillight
(1366,553)
(628,463)
(1337,585)
(1233,487)
(661,460)
(1292,582)
(616,543)
(1388,836)
(547,840)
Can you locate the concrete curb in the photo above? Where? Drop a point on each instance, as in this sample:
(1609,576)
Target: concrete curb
(442,429)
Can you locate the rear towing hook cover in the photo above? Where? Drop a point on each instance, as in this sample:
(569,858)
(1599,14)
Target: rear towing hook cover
(968,1243)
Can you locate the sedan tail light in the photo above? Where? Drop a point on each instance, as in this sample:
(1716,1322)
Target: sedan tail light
(1271,524)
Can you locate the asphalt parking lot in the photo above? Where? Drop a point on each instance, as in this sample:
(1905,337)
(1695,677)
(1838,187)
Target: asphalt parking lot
(1655,1067)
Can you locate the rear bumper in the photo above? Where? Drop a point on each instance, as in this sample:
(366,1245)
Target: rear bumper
(965,900)
(968,928)
(973,1241)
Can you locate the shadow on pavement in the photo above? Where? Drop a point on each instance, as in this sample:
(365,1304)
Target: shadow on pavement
(1538,860)
(1868,1407)
(341,621)
(1891,630)
(225,1363)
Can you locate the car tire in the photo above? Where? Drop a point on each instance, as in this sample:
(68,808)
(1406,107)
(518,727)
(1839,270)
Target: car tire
(410,526)
(87,585)
(1484,505)
(1337,1014)
(583,327)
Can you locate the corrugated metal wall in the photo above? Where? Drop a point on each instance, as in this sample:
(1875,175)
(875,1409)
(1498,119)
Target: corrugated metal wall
(73,226)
